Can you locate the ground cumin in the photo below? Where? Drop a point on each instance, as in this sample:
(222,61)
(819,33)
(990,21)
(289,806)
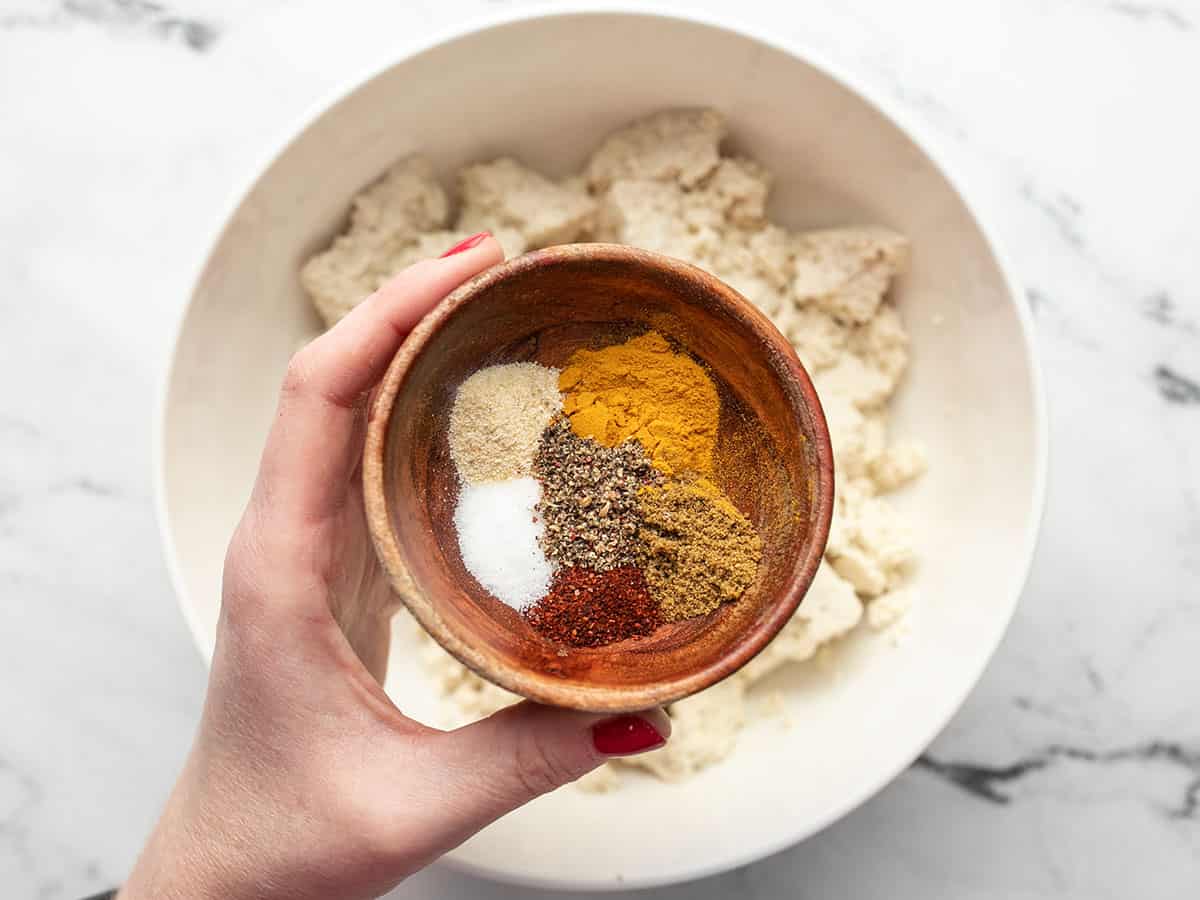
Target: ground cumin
(643,389)
(698,550)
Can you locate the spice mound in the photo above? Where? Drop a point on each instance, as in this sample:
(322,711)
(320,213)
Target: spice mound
(498,417)
(513,570)
(697,549)
(643,389)
(614,527)
(590,498)
(591,609)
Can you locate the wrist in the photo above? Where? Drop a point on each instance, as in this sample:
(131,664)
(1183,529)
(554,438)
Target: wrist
(170,869)
(185,857)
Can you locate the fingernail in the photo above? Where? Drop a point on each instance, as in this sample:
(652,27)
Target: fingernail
(623,735)
(466,244)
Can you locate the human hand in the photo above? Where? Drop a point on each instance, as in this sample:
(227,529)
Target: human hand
(305,780)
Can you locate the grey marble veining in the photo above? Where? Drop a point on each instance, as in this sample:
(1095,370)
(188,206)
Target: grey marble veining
(119,15)
(1072,771)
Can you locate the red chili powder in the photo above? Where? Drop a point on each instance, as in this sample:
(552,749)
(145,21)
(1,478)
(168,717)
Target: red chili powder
(591,609)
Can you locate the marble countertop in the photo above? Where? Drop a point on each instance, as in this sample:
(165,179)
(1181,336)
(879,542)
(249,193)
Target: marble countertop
(1073,769)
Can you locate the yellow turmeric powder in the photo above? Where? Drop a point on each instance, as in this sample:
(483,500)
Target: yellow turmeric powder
(643,389)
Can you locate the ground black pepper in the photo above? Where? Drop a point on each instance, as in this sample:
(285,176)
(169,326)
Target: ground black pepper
(590,609)
(589,498)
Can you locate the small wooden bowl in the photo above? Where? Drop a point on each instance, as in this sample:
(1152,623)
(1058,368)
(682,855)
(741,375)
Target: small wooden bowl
(773,460)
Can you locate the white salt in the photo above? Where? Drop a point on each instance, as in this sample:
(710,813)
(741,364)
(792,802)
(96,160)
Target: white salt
(498,531)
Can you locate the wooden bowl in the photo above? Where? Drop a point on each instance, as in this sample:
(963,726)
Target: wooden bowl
(773,460)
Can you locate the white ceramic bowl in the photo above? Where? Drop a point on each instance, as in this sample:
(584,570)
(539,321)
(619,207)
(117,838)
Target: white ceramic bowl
(546,89)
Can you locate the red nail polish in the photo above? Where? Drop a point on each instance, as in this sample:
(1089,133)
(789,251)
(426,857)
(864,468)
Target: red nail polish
(467,243)
(623,735)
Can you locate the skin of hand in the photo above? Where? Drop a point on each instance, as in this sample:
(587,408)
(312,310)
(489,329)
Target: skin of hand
(305,781)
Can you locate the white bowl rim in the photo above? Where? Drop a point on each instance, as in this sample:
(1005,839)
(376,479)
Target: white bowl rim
(834,71)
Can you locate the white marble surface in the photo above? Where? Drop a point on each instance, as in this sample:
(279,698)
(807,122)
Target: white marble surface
(1073,770)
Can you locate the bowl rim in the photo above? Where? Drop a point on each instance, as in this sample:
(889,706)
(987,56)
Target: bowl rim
(779,359)
(843,74)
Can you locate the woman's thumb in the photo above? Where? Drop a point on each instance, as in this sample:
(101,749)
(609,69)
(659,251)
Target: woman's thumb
(524,751)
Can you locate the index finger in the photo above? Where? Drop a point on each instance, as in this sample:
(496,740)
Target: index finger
(313,444)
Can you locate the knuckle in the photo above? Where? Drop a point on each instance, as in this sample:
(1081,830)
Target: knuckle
(244,553)
(298,374)
(244,583)
(239,560)
(538,769)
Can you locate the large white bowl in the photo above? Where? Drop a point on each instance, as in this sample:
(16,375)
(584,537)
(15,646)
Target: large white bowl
(546,89)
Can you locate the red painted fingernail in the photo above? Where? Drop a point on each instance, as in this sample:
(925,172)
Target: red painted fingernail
(466,244)
(623,735)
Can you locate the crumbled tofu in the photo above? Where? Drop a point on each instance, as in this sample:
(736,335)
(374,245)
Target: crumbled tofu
(863,572)
(855,379)
(857,439)
(407,200)
(819,338)
(870,536)
(386,221)
(830,609)
(846,271)
(575,184)
(884,342)
(762,252)
(882,533)
(678,145)
(503,194)
(755,288)
(774,704)
(888,609)
(738,189)
(341,277)
(898,465)
(653,215)
(771,251)
(599,781)
(704,729)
